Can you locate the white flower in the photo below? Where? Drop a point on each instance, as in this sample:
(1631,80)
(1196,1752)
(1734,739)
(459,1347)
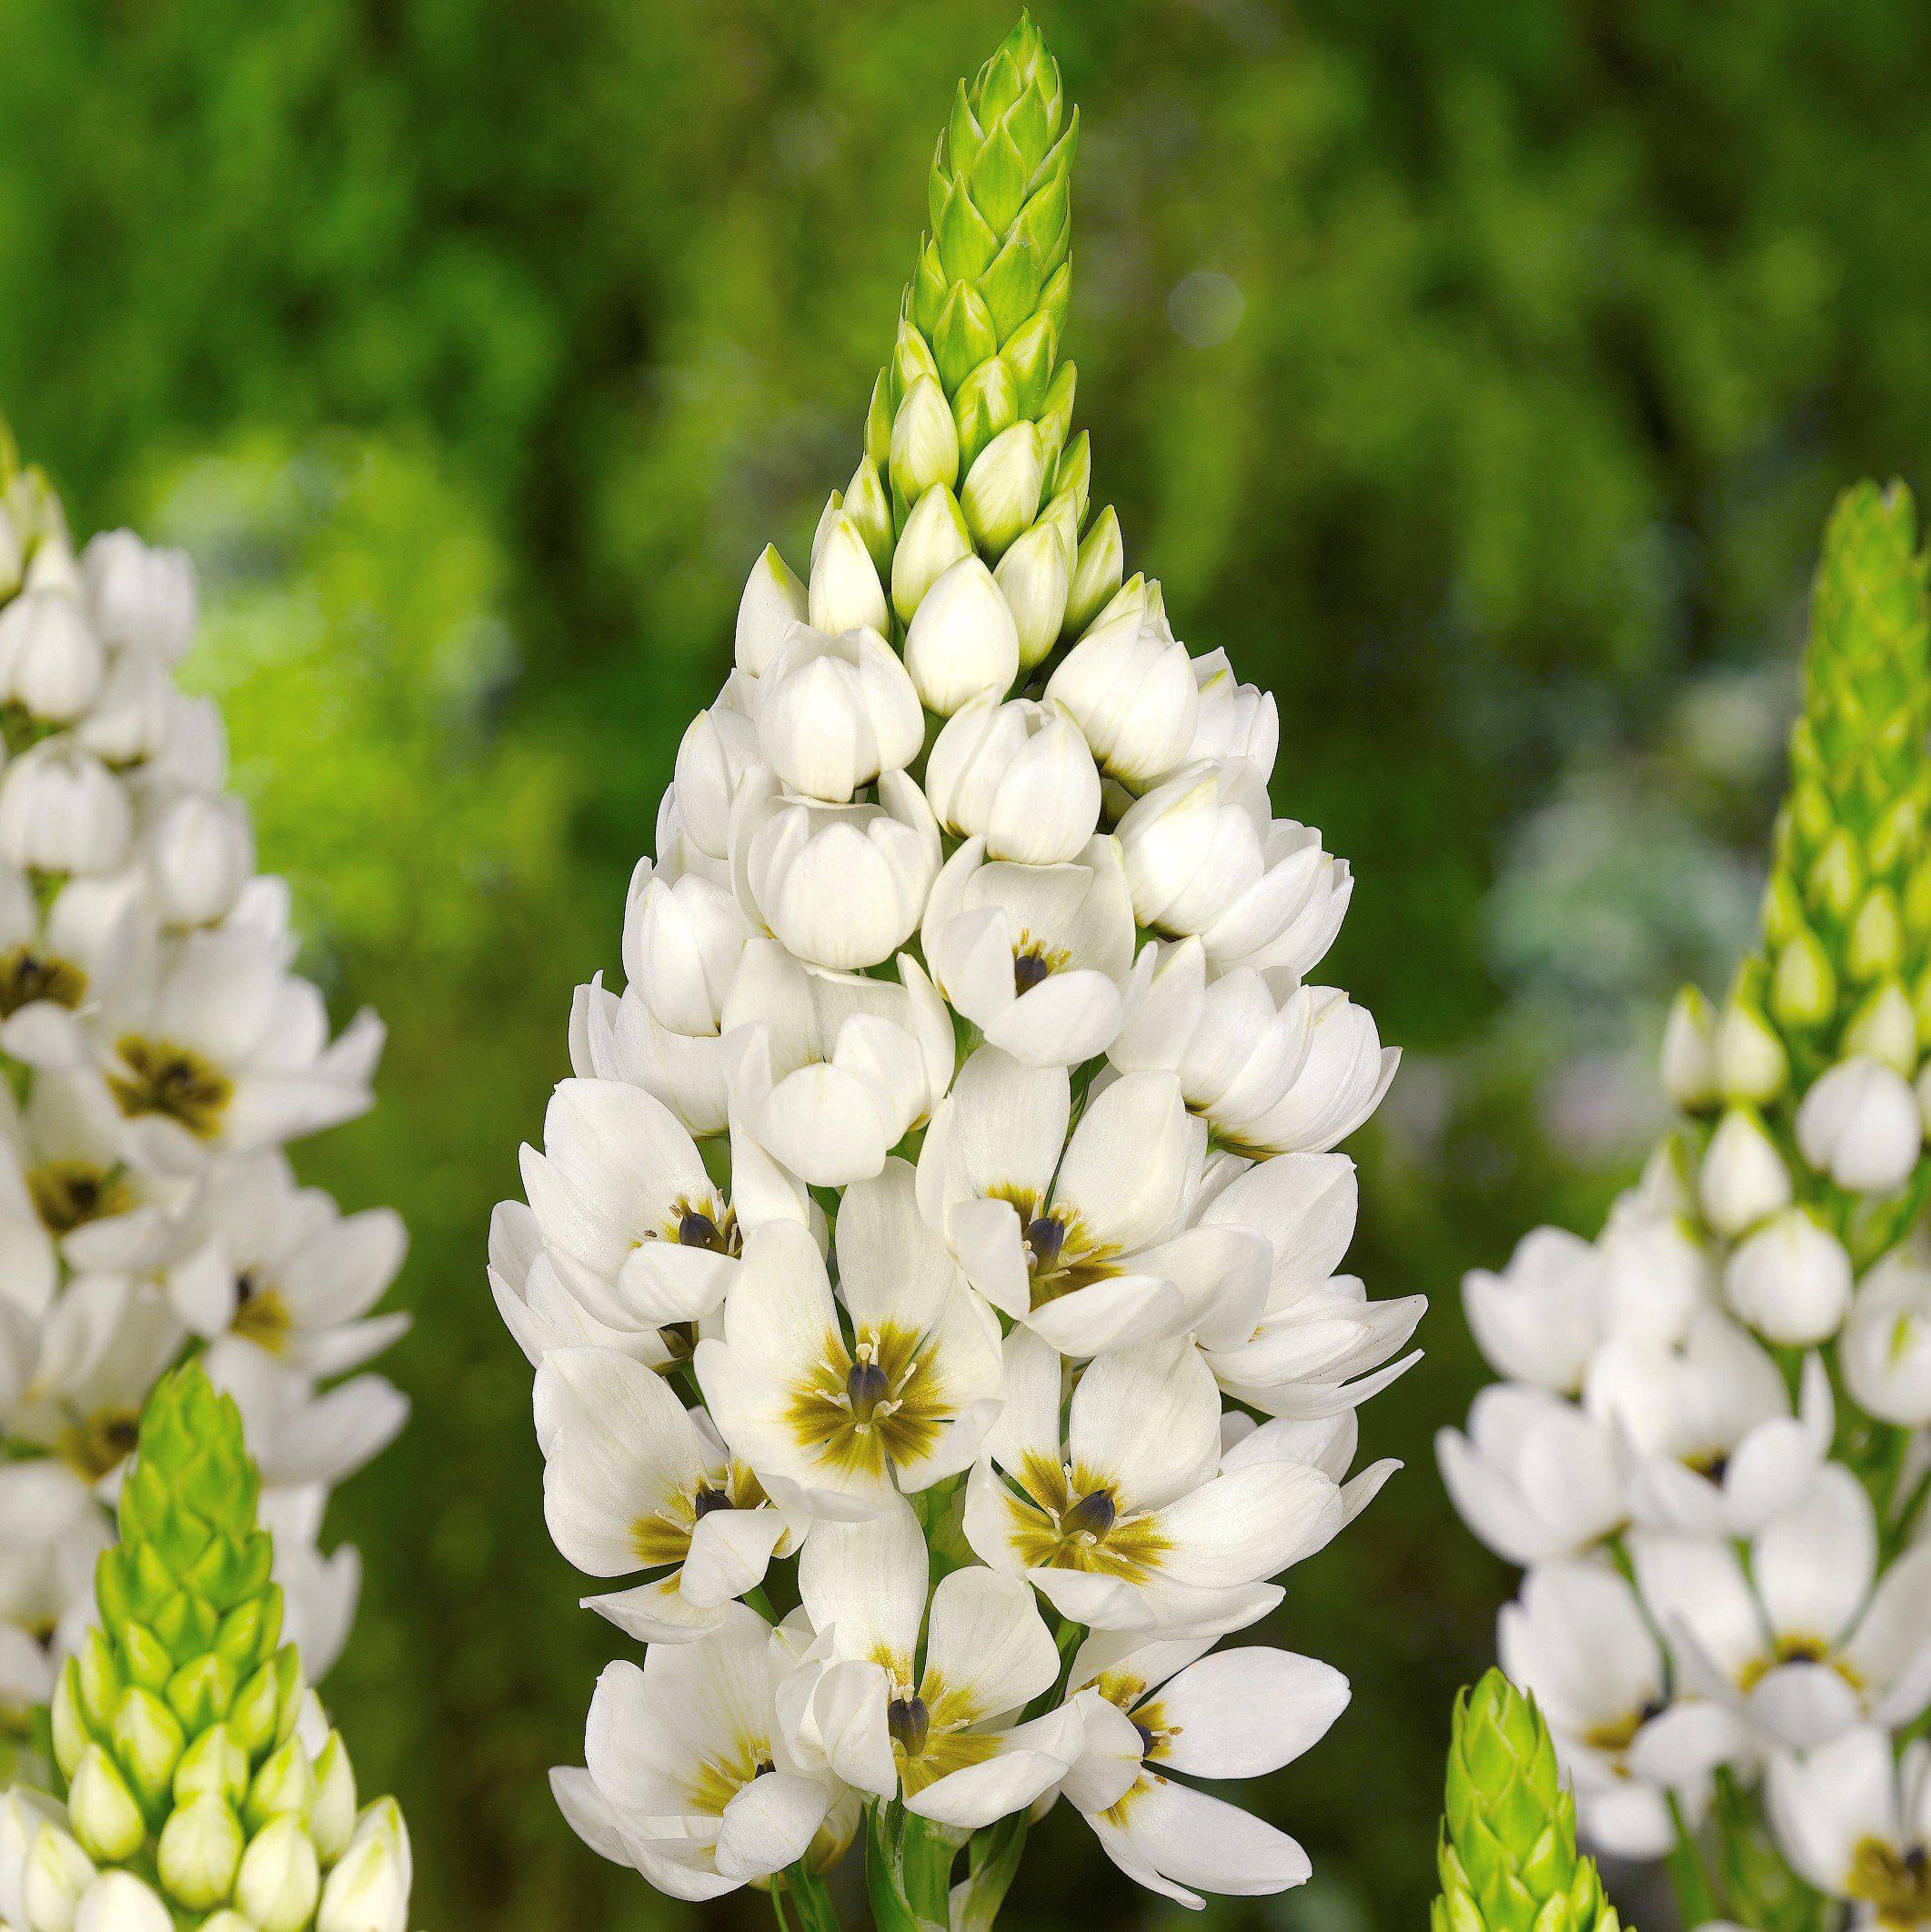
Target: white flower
(1742,1179)
(719,749)
(286,1270)
(1128,1522)
(906,1400)
(368,1889)
(1856,1823)
(962,642)
(1796,1638)
(200,853)
(1689,1050)
(57,965)
(1129,687)
(296,1434)
(1534,1477)
(633,1481)
(831,1071)
(833,713)
(689,1775)
(772,602)
(1577,1638)
(1860,1124)
(143,597)
(1341,1081)
(51,661)
(1885,1347)
(1158,1707)
(1017,775)
(1080,1238)
(62,811)
(1033,955)
(842,886)
(1236,720)
(1790,1281)
(1314,1346)
(539,1311)
(1540,1320)
(845,592)
(939,1731)
(1704,1433)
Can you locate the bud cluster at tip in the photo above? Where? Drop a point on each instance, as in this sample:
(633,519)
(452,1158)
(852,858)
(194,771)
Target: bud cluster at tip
(1508,1854)
(204,1786)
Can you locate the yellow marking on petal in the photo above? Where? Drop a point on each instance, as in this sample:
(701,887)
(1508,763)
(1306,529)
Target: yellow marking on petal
(1073,1523)
(100,1442)
(261,1317)
(1794,1647)
(1116,1813)
(1897,1883)
(880,1404)
(713,1781)
(172,1080)
(67,1194)
(27,975)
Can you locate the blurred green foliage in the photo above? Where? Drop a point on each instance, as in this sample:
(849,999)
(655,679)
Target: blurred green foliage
(1477,374)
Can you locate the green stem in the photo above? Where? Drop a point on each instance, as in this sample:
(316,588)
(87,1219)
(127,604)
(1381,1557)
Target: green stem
(816,1912)
(1695,1890)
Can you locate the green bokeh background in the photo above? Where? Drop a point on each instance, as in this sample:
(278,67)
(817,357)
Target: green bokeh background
(1478,374)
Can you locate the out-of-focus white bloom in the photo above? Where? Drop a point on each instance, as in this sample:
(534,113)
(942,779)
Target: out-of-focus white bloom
(1578,1639)
(1704,1431)
(1742,1179)
(1128,1523)
(1034,955)
(1790,1281)
(297,1434)
(842,886)
(56,964)
(905,1403)
(1017,775)
(833,713)
(1534,1477)
(1855,1822)
(1129,687)
(142,596)
(962,644)
(62,811)
(1156,1706)
(689,1778)
(1689,1050)
(1750,1064)
(1860,1124)
(200,852)
(1885,1347)
(1541,1319)
(51,661)
(1796,1638)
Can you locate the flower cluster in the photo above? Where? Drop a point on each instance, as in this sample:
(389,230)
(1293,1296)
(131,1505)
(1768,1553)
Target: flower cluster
(204,1789)
(1713,1446)
(930,1266)
(158,1052)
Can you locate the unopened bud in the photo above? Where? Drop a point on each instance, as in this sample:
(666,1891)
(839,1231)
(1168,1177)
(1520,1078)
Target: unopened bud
(1877,942)
(280,1879)
(58,1872)
(934,538)
(1001,493)
(924,441)
(285,1785)
(1804,986)
(332,1819)
(106,1817)
(1032,574)
(1836,878)
(1689,1051)
(1886,1029)
(213,1765)
(963,641)
(1751,1063)
(1742,1178)
(773,600)
(1860,1124)
(368,1890)
(868,506)
(845,592)
(1096,576)
(119,1902)
(1790,1281)
(147,1743)
(200,1852)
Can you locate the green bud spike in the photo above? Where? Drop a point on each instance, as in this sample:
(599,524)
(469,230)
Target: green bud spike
(1845,906)
(1508,1856)
(176,1722)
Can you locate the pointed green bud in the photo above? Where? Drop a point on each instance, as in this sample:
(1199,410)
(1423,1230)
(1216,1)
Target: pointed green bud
(280,1879)
(1750,1064)
(1001,493)
(868,506)
(332,1821)
(1876,943)
(934,538)
(773,600)
(1885,1028)
(199,1854)
(1032,574)
(213,1765)
(1804,985)
(1096,577)
(924,441)
(285,1784)
(1508,1859)
(147,1743)
(877,421)
(987,403)
(58,1872)
(102,1810)
(72,1733)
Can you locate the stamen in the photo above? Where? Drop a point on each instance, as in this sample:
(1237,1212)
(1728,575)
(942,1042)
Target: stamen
(1044,1239)
(865,1387)
(706,1499)
(1092,1515)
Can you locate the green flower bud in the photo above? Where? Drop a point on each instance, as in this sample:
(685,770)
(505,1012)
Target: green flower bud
(147,1745)
(846,592)
(1876,943)
(1885,1028)
(200,1852)
(1804,985)
(284,1786)
(1096,577)
(213,1765)
(332,1820)
(1508,1858)
(280,1879)
(1001,493)
(1689,1051)
(1750,1064)
(105,1815)
(870,509)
